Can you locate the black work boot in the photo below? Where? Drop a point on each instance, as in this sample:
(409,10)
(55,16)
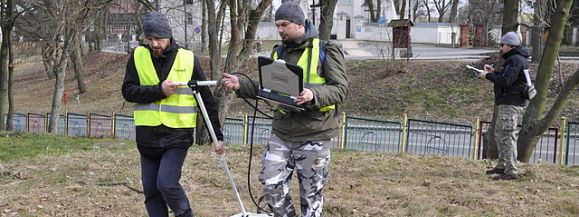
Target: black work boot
(495,171)
(507,176)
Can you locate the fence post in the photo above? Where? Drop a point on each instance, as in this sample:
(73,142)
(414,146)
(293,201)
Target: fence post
(27,122)
(245,128)
(404,132)
(65,123)
(343,133)
(88,123)
(562,132)
(475,139)
(113,123)
(46,121)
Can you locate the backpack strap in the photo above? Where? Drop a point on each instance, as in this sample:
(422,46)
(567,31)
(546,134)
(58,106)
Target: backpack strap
(323,51)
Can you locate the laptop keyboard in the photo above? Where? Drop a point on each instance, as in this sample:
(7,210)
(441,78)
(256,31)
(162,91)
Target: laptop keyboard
(275,97)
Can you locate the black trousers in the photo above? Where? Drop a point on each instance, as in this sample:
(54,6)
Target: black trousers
(160,174)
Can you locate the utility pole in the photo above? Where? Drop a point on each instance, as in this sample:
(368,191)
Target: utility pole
(314,6)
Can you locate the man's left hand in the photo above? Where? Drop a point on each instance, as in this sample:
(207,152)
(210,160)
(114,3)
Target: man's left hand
(305,96)
(482,75)
(219,148)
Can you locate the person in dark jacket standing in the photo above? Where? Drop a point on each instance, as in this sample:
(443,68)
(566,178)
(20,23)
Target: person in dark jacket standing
(300,140)
(508,88)
(165,114)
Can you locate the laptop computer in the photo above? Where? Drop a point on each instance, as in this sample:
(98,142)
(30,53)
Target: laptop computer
(279,82)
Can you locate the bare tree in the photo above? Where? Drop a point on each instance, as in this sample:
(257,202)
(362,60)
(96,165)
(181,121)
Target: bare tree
(402,11)
(326,18)
(543,11)
(76,59)
(453,11)
(441,7)
(68,18)
(536,119)
(426,4)
(374,9)
(510,14)
(7,15)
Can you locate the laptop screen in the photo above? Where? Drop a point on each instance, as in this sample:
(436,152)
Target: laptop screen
(280,77)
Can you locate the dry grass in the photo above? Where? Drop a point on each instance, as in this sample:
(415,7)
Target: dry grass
(104,182)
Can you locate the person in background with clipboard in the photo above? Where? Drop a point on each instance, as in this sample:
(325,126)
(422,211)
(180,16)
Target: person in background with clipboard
(300,140)
(509,87)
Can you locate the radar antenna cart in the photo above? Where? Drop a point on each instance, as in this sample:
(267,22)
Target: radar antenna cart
(193,85)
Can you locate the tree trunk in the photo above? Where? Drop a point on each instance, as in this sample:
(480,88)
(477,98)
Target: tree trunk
(58,93)
(46,53)
(491,149)
(4,62)
(427,10)
(534,125)
(204,28)
(10,116)
(510,13)
(402,11)
(76,58)
(453,11)
(326,19)
(537,40)
(213,25)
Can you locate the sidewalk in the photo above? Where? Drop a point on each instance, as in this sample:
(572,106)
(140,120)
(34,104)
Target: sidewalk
(375,50)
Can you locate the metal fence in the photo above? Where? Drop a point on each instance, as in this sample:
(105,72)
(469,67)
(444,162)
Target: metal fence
(372,135)
(411,136)
(77,124)
(124,127)
(572,144)
(545,151)
(439,138)
(234,131)
(261,130)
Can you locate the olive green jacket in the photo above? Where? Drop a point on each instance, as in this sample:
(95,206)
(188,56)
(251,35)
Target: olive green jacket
(311,124)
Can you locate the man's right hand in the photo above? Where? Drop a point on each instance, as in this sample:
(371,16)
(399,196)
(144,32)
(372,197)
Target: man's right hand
(231,82)
(169,87)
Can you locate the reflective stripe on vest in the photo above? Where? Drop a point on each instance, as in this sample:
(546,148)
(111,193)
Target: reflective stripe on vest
(179,110)
(311,76)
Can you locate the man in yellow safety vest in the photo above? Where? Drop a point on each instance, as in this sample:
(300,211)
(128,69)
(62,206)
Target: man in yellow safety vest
(301,141)
(165,114)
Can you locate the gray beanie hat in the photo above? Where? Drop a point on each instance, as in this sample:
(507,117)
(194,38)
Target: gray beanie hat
(291,12)
(156,24)
(511,38)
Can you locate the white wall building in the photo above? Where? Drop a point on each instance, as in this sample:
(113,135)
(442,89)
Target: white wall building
(351,21)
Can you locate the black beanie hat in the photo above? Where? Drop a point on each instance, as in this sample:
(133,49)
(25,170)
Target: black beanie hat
(156,24)
(291,12)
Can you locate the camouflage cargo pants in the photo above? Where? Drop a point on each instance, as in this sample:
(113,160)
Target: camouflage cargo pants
(311,161)
(506,137)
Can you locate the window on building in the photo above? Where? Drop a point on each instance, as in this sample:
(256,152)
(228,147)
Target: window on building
(189,18)
(188,2)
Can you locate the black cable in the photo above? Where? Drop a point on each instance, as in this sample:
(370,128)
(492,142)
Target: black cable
(248,103)
(255,110)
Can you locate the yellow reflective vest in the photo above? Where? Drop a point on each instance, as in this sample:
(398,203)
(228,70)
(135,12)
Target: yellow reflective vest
(311,76)
(179,110)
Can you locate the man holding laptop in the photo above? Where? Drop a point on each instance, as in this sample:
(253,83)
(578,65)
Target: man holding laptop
(300,140)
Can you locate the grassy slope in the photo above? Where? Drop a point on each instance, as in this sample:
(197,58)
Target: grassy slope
(102,179)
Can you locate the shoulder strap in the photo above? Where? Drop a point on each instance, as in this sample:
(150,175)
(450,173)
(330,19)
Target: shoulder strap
(323,51)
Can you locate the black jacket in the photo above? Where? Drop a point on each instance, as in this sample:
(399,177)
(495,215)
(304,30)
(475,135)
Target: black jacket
(509,82)
(163,136)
